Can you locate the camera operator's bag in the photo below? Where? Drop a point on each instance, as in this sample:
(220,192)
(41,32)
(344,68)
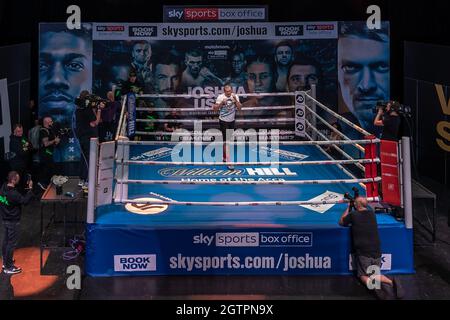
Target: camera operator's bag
(34,137)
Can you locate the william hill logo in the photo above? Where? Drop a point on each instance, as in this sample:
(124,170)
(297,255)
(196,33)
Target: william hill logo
(206,172)
(143,31)
(136,262)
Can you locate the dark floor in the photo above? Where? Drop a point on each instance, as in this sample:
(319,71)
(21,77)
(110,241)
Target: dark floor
(431,281)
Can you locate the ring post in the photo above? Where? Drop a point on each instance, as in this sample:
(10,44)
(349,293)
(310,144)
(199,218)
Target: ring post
(407,189)
(92,186)
(122,154)
(371,168)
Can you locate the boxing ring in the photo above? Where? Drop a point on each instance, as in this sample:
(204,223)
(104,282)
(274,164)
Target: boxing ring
(169,207)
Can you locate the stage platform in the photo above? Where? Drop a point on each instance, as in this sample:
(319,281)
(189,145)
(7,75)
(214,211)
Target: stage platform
(180,239)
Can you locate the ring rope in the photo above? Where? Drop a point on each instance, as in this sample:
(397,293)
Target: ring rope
(333,128)
(214,120)
(351,124)
(211,109)
(210,96)
(186,133)
(346,155)
(242,203)
(331,158)
(281,143)
(345,181)
(255,163)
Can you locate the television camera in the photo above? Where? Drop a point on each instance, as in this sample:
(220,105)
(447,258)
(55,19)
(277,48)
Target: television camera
(396,106)
(90,101)
(352,198)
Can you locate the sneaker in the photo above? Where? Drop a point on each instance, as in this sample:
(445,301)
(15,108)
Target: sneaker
(12,270)
(3,266)
(42,186)
(230,167)
(81,183)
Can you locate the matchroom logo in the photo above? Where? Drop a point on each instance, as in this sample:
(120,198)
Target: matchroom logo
(144,208)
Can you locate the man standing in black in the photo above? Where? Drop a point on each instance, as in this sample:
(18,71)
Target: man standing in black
(47,141)
(109,118)
(389,119)
(11,202)
(366,243)
(87,120)
(132,85)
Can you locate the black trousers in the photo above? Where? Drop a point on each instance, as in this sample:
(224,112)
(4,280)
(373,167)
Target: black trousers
(106,131)
(84,159)
(226,126)
(46,169)
(9,242)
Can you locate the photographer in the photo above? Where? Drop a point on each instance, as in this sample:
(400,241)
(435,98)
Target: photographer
(109,118)
(365,241)
(388,118)
(47,141)
(11,211)
(88,115)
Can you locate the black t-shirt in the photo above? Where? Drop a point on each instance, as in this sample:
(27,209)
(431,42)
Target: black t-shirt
(83,119)
(18,146)
(132,87)
(391,127)
(364,228)
(46,152)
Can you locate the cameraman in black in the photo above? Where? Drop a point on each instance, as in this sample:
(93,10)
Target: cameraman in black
(87,115)
(365,241)
(47,142)
(388,118)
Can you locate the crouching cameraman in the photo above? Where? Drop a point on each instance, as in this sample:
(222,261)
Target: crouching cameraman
(388,118)
(88,115)
(366,242)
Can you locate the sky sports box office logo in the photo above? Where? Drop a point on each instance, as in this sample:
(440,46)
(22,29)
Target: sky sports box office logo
(255,239)
(184,14)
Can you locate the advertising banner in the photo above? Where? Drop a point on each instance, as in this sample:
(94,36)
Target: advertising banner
(65,69)
(199,59)
(214,13)
(5,120)
(390,172)
(240,251)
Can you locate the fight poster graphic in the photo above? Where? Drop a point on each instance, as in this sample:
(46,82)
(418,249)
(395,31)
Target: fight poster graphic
(198,60)
(363,66)
(65,69)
